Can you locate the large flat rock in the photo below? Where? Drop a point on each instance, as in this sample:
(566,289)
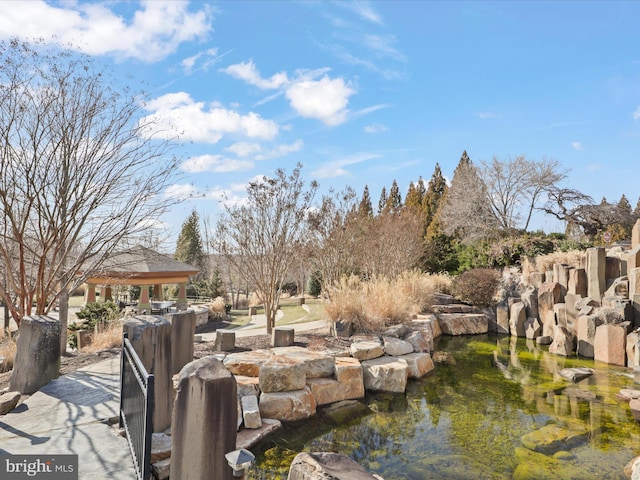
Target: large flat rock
(463,323)
(553,438)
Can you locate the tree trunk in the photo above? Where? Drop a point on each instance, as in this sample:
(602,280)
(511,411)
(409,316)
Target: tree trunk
(63,314)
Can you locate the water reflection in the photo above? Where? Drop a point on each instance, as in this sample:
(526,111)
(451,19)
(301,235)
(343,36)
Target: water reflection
(469,418)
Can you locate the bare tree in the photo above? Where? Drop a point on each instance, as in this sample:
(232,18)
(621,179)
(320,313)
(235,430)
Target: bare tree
(335,236)
(80,174)
(515,188)
(258,237)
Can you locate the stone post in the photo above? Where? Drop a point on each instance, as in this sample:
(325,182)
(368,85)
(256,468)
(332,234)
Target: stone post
(108,294)
(635,235)
(596,264)
(150,337)
(37,359)
(204,422)
(577,282)
(253,311)
(183,330)
(182,303)
(282,337)
(225,340)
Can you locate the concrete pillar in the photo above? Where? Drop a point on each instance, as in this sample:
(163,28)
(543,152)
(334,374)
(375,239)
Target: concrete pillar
(183,329)
(150,337)
(204,422)
(144,303)
(577,282)
(182,303)
(37,359)
(596,264)
(90,293)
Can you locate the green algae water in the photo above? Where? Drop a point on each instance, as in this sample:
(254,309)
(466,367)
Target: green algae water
(468,418)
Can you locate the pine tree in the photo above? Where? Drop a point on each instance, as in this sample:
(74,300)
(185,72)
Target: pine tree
(394,200)
(436,190)
(383,200)
(365,209)
(413,200)
(189,246)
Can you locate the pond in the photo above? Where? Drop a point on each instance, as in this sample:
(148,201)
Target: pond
(467,420)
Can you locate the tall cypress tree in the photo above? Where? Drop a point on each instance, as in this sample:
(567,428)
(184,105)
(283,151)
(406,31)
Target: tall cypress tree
(436,190)
(189,246)
(365,209)
(413,200)
(394,200)
(383,200)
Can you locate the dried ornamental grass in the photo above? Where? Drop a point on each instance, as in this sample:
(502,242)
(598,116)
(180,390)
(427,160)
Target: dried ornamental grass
(7,352)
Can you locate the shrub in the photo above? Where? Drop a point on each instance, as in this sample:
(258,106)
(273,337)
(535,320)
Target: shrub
(379,302)
(477,287)
(8,352)
(217,309)
(543,263)
(314,287)
(94,316)
(105,338)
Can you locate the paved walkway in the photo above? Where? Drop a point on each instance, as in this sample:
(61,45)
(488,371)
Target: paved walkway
(71,415)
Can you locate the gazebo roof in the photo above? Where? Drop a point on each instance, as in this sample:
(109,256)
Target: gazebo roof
(142,266)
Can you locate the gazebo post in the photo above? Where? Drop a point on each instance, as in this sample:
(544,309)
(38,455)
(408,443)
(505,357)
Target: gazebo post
(90,293)
(182,303)
(108,295)
(157,292)
(144,303)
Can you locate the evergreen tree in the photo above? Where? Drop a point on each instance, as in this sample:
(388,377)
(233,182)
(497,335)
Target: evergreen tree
(436,190)
(189,246)
(394,200)
(365,209)
(413,200)
(383,200)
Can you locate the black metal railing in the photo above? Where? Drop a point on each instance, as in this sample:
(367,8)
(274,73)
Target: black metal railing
(136,408)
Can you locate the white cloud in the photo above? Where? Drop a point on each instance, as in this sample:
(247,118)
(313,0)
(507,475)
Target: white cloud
(364,10)
(207,58)
(244,149)
(281,150)
(248,72)
(325,99)
(335,167)
(155,30)
(177,114)
(215,163)
(577,146)
(182,191)
(375,128)
(381,45)
(636,114)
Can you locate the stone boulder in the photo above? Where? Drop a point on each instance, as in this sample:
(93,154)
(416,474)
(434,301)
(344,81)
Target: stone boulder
(517,319)
(282,374)
(609,345)
(316,364)
(386,374)
(532,328)
(396,347)
(397,331)
(553,438)
(575,374)
(419,364)
(288,406)
(563,341)
(463,323)
(549,294)
(251,412)
(586,334)
(327,466)
(420,339)
(247,385)
(366,350)
(8,401)
(502,319)
(247,363)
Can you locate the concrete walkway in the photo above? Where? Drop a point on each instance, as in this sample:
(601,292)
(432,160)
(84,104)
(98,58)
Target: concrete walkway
(70,416)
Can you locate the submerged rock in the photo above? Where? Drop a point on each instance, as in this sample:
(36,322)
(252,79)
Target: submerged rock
(575,374)
(553,438)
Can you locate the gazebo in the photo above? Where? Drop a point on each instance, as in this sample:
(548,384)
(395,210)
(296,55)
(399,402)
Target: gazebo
(144,267)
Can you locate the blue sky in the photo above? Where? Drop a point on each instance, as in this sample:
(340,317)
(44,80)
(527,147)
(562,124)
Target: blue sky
(368,92)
